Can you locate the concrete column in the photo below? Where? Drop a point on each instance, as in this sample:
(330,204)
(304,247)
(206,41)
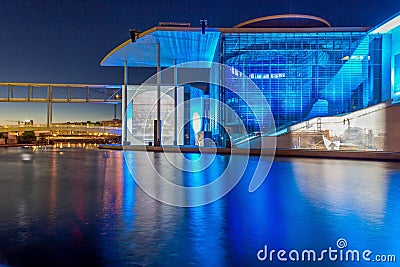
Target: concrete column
(29,92)
(175,104)
(50,106)
(157,137)
(124,106)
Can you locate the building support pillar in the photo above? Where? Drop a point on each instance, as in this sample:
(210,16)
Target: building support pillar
(125,106)
(157,136)
(50,106)
(175,104)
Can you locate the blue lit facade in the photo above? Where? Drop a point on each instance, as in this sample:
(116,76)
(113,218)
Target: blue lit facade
(305,72)
(395,55)
(305,75)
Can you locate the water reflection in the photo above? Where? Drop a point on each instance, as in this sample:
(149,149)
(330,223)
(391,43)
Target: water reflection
(71,207)
(172,185)
(345,187)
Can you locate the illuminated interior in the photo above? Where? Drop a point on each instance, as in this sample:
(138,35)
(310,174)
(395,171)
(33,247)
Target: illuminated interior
(302,75)
(141,112)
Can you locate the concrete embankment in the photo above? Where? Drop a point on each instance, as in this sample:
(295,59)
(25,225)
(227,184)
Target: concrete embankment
(342,154)
(16,145)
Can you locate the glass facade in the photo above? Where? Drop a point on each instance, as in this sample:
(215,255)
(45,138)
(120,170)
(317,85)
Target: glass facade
(303,75)
(141,112)
(320,75)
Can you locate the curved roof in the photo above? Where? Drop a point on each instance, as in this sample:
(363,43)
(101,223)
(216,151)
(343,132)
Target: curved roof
(285,21)
(187,44)
(180,44)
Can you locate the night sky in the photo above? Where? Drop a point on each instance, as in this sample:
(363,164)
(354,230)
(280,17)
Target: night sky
(64,41)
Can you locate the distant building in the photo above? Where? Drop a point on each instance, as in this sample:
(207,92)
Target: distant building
(12,138)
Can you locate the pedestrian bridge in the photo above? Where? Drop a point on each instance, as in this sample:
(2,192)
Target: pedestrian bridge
(72,128)
(59,93)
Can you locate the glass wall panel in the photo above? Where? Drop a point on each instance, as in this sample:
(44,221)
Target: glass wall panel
(302,75)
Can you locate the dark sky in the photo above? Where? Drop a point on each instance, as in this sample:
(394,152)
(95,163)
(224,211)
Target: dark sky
(64,41)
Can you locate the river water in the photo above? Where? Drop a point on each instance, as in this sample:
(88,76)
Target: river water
(81,207)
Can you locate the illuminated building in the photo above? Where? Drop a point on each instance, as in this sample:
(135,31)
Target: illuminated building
(304,67)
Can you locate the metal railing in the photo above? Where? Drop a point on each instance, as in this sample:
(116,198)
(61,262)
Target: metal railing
(62,127)
(59,93)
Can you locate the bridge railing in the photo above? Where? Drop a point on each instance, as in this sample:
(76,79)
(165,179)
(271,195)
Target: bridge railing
(62,127)
(59,93)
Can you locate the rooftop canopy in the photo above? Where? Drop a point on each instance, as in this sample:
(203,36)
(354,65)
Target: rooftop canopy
(187,44)
(387,26)
(183,44)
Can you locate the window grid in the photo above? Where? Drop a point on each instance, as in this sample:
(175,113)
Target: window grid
(299,72)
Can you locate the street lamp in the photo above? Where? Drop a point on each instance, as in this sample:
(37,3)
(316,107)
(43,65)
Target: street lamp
(203,23)
(134,34)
